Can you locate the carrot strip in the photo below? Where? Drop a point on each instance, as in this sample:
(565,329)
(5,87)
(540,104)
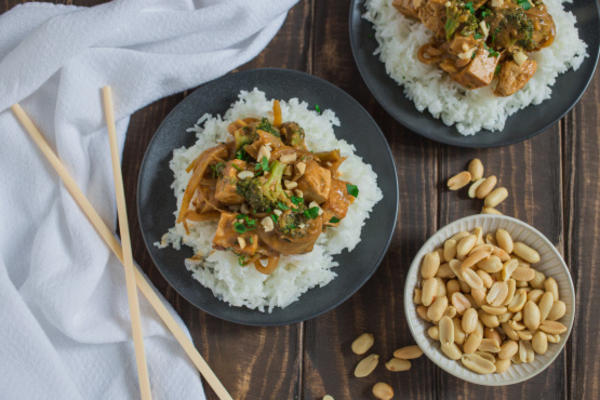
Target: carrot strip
(276,113)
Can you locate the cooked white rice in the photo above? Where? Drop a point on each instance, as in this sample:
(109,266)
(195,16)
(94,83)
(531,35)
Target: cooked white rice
(219,270)
(471,111)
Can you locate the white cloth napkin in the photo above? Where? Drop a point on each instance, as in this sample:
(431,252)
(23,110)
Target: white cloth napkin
(64,320)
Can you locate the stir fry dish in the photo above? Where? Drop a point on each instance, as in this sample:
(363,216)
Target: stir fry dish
(271,195)
(477,41)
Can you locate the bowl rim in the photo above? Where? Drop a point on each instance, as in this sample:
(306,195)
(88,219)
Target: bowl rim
(409,305)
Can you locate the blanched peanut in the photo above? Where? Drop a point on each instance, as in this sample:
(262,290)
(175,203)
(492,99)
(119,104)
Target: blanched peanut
(408,352)
(363,343)
(459,180)
(552,327)
(551,286)
(383,391)
(504,240)
(502,366)
(437,308)
(486,187)
(545,304)
(526,253)
(429,291)
(417,296)
(434,332)
(535,295)
(497,294)
(478,364)
(540,342)
(523,274)
(558,310)
(460,302)
(446,330)
(475,169)
(508,350)
(452,286)
(451,351)
(464,246)
(496,197)
(397,365)
(491,265)
(531,316)
(469,320)
(449,249)
(430,265)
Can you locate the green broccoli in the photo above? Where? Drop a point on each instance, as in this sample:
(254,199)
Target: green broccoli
(263,193)
(244,136)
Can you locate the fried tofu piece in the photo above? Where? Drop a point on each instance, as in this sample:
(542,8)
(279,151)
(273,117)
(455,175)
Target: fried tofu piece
(226,237)
(513,77)
(433,15)
(479,72)
(315,183)
(226,190)
(337,203)
(408,8)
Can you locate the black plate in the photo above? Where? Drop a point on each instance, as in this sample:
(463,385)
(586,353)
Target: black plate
(156,202)
(524,124)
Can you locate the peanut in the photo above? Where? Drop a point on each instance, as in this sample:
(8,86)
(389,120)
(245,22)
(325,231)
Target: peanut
(486,187)
(383,391)
(408,352)
(459,180)
(363,343)
(475,168)
(366,366)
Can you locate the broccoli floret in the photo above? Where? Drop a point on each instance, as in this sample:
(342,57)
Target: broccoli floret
(252,191)
(262,194)
(244,136)
(272,187)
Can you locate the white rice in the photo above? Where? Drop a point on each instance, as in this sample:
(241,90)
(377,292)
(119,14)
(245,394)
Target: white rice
(429,88)
(219,271)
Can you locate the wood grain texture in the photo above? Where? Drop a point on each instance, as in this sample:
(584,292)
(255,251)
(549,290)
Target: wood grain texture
(553,182)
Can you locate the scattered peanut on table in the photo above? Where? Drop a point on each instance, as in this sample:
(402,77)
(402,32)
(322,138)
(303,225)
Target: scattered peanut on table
(488,305)
(480,187)
(401,357)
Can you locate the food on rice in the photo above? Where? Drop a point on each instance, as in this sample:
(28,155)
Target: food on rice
(480,61)
(266,198)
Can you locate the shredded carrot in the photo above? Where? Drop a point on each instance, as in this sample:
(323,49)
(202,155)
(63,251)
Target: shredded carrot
(205,216)
(270,267)
(276,113)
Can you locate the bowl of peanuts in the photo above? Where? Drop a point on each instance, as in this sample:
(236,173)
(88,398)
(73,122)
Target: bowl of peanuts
(490,300)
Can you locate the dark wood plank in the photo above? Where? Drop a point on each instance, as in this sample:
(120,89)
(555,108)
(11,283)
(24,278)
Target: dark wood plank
(378,306)
(253,363)
(582,205)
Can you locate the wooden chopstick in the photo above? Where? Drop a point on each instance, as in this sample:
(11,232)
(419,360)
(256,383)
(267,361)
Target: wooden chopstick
(134,307)
(112,242)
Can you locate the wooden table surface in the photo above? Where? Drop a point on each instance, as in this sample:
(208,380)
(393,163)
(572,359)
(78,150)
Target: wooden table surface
(554,185)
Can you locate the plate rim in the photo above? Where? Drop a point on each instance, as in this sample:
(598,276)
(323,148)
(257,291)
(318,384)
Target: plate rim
(287,321)
(414,129)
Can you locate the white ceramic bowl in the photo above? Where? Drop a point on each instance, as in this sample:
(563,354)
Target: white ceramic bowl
(551,264)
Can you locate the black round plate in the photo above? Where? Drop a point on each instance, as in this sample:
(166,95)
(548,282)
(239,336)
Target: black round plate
(524,124)
(156,202)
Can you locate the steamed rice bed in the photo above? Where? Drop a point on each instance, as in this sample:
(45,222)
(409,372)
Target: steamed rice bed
(219,270)
(429,88)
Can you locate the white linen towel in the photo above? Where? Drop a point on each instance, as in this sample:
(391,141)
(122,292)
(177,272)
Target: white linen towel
(64,330)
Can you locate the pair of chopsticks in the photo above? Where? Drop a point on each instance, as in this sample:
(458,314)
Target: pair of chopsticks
(132,275)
